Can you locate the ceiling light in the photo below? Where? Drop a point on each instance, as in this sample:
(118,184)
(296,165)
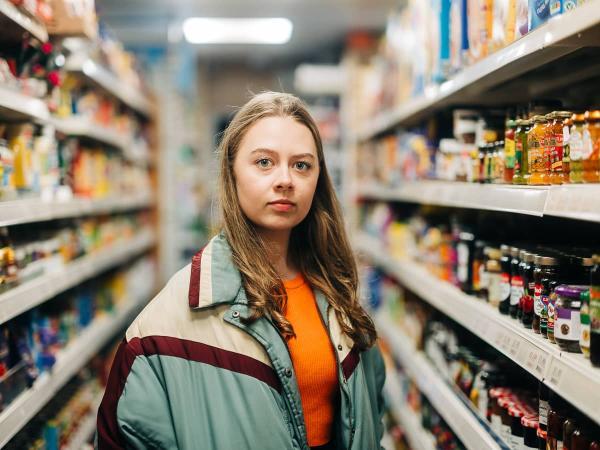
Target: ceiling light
(212,30)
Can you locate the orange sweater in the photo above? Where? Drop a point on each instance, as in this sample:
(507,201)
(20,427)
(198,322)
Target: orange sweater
(314,361)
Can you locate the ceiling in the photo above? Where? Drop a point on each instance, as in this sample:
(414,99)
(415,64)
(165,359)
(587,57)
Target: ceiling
(318,25)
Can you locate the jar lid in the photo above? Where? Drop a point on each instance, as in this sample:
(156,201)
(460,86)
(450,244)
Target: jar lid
(507,401)
(515,410)
(505,249)
(494,253)
(570,290)
(543,434)
(530,421)
(593,115)
(530,257)
(500,392)
(541,260)
(523,254)
(564,114)
(539,119)
(579,117)
(514,252)
(550,115)
(493,265)
(511,123)
(596,258)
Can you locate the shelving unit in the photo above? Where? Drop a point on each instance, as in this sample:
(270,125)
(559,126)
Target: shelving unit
(563,372)
(14,105)
(110,83)
(417,436)
(473,434)
(14,23)
(32,293)
(559,36)
(87,427)
(569,201)
(71,360)
(37,210)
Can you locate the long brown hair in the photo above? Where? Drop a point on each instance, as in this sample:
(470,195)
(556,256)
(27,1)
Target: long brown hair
(318,245)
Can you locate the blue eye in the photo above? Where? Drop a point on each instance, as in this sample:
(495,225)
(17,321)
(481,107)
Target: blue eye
(264,163)
(303,166)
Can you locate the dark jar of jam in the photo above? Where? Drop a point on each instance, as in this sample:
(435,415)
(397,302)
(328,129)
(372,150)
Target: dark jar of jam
(516,282)
(530,426)
(567,327)
(529,290)
(545,272)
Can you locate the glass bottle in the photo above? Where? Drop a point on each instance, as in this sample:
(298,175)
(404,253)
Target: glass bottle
(591,150)
(521,158)
(576,146)
(559,156)
(537,154)
(546,271)
(509,151)
(516,283)
(494,275)
(505,263)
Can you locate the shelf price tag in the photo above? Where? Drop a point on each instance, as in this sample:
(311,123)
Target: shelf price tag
(532,360)
(514,348)
(556,374)
(540,368)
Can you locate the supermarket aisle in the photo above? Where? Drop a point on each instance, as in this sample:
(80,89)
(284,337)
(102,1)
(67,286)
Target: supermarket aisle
(462,137)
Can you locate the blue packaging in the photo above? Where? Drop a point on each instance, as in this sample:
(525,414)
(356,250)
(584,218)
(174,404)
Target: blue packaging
(542,10)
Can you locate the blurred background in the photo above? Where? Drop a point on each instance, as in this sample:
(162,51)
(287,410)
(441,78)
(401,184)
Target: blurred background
(433,114)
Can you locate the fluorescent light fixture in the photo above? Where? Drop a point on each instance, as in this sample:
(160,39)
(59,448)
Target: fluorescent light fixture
(213,30)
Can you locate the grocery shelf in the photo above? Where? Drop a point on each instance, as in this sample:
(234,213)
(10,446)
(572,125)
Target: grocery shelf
(31,293)
(559,36)
(572,201)
(457,415)
(110,83)
(493,197)
(82,126)
(87,427)
(69,361)
(15,105)
(16,212)
(14,23)
(417,436)
(566,373)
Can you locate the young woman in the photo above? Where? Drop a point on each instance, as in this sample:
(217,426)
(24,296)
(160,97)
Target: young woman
(260,343)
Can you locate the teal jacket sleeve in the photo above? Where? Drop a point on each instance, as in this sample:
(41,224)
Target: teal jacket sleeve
(375,373)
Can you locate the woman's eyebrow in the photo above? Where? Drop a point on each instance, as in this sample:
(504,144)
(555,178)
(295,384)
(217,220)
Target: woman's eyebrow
(305,155)
(263,150)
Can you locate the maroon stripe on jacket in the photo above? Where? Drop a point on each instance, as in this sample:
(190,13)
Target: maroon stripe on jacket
(194,291)
(350,362)
(109,436)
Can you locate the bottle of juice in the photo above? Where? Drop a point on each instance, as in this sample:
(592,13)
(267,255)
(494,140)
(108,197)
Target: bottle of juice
(576,146)
(509,151)
(521,159)
(537,155)
(591,156)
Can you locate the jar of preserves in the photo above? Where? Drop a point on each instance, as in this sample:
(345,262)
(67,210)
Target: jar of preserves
(522,268)
(584,336)
(545,273)
(516,282)
(495,394)
(567,124)
(556,419)
(539,164)
(567,327)
(465,248)
(509,151)
(521,157)
(478,266)
(590,157)
(530,427)
(505,404)
(529,290)
(569,427)
(494,275)
(576,145)
(505,263)
(515,437)
(559,153)
(550,306)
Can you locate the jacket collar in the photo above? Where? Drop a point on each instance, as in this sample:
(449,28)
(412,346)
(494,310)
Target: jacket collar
(214,278)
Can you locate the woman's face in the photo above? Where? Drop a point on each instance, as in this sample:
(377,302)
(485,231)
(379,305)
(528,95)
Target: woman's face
(276,171)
